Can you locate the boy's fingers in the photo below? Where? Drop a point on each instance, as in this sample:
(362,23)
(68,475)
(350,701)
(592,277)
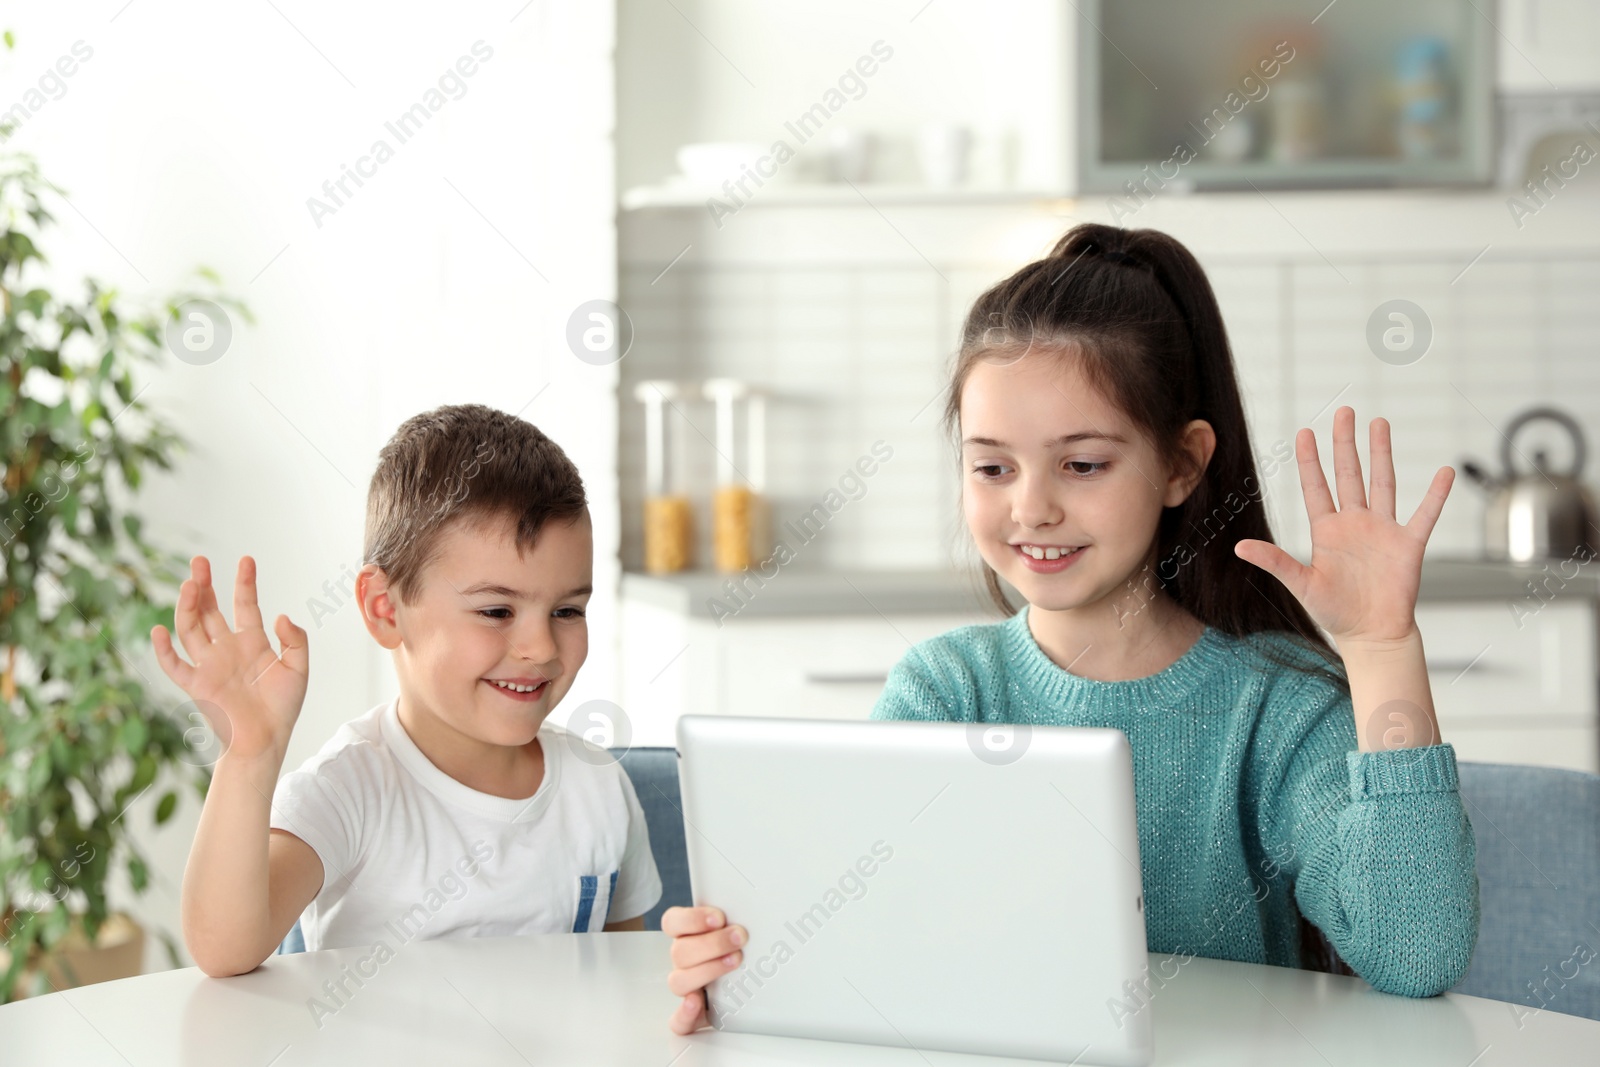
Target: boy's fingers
(180,672)
(686,980)
(293,647)
(690,1015)
(694,949)
(216,627)
(186,618)
(680,921)
(246,612)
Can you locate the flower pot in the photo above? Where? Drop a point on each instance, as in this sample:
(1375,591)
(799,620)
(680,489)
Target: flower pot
(117,952)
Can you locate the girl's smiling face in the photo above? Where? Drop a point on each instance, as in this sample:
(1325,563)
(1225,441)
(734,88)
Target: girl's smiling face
(1052,468)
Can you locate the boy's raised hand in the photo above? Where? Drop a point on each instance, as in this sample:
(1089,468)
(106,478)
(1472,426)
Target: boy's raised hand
(258,691)
(1361,584)
(704,947)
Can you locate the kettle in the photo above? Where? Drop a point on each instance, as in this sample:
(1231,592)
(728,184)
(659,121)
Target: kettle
(1541,514)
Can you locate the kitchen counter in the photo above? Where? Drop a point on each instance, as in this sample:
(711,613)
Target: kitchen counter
(810,593)
(1471,579)
(790,593)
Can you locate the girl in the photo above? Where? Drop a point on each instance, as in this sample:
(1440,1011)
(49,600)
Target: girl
(1108,477)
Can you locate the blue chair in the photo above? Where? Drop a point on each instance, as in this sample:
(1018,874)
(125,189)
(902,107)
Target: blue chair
(654,774)
(1538,835)
(293,941)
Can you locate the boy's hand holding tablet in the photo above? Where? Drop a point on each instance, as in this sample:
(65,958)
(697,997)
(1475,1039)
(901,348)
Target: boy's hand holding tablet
(704,947)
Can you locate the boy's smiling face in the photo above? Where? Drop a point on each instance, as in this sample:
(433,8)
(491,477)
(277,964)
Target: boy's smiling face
(486,614)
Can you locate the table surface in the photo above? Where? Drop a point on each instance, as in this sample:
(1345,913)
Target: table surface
(595,999)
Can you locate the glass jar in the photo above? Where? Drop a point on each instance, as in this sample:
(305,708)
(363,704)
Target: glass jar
(741,528)
(668,516)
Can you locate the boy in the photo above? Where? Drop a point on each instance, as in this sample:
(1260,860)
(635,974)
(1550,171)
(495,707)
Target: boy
(451,811)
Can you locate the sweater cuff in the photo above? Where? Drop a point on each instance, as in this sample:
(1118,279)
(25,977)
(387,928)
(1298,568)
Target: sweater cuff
(1429,769)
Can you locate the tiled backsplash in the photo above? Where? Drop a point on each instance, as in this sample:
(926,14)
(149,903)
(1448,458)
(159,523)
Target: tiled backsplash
(857,354)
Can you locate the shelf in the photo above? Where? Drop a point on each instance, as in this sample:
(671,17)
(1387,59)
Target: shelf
(798,194)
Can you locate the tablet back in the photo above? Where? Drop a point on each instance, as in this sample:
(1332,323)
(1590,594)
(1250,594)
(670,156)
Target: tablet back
(928,885)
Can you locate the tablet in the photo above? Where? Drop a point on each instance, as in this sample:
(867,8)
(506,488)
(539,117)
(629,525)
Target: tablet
(961,887)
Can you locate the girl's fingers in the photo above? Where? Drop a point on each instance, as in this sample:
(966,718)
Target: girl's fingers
(1313,485)
(1275,561)
(1346,461)
(246,612)
(691,1014)
(171,663)
(1427,512)
(1382,453)
(685,981)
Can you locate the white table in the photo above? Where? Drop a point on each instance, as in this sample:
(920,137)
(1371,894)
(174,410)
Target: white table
(595,999)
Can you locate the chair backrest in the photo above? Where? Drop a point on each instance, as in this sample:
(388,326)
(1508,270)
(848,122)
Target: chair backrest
(1538,838)
(654,773)
(293,941)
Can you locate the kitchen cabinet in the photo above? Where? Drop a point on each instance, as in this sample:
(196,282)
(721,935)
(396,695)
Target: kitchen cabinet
(1083,97)
(1252,96)
(1515,676)
(810,646)
(1546,45)
(1515,687)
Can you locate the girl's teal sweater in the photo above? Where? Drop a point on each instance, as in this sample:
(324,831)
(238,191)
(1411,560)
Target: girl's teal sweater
(1251,799)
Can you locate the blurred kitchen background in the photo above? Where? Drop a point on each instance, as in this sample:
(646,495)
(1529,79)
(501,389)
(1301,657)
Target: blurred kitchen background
(1323,163)
(1397,205)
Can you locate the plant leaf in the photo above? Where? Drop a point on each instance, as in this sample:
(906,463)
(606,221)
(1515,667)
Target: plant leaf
(138,874)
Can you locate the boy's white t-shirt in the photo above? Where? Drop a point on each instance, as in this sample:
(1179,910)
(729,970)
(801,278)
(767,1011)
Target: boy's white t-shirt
(410,853)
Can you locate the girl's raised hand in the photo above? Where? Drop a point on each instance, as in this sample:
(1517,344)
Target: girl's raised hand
(1361,584)
(250,694)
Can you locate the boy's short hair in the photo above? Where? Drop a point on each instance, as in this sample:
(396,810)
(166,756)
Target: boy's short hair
(462,462)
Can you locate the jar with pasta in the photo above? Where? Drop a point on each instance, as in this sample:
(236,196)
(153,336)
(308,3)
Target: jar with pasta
(668,515)
(740,523)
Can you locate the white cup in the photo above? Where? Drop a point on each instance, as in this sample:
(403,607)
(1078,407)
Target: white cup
(944,149)
(849,154)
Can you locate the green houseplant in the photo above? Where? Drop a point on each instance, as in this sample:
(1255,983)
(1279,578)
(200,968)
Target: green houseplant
(81,736)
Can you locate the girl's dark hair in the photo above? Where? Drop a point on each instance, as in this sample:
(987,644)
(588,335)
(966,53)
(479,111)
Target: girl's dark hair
(1135,310)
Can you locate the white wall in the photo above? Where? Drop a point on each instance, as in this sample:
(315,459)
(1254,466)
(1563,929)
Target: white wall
(195,134)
